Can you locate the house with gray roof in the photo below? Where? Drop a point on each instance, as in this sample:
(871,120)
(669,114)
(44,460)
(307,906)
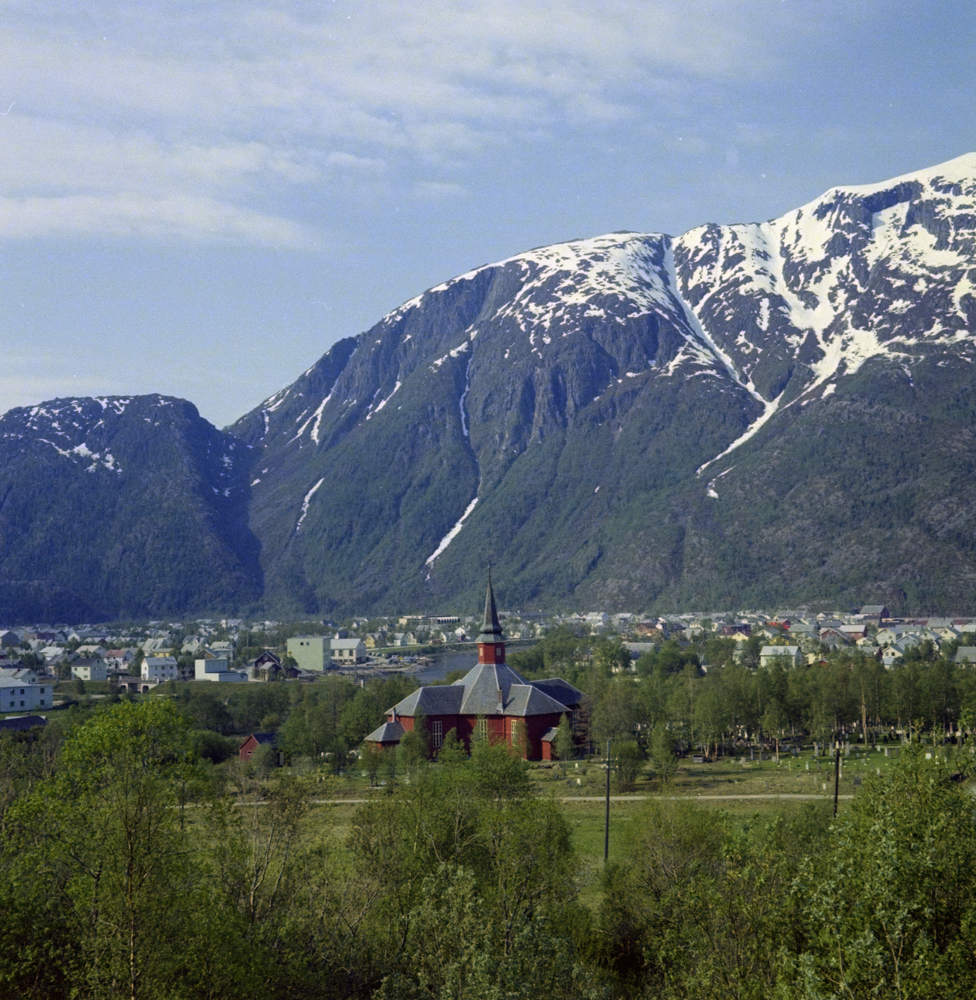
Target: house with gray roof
(492,701)
(788,656)
(345,651)
(877,612)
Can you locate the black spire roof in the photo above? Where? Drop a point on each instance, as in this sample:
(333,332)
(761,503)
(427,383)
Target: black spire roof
(491,630)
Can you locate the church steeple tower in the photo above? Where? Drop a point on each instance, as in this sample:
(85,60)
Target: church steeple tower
(491,639)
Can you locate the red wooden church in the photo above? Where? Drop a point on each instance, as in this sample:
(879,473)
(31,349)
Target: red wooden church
(491,697)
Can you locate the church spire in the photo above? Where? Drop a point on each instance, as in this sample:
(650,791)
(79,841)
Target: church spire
(491,639)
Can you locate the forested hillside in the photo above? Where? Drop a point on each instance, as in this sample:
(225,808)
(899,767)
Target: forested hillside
(121,507)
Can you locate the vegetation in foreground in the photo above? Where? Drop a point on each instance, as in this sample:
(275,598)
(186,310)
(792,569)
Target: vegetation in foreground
(127,871)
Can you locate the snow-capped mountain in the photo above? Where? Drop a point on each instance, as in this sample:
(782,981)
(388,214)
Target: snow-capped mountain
(881,271)
(572,414)
(781,411)
(117,506)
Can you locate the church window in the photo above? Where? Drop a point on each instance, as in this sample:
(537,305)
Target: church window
(483,728)
(437,734)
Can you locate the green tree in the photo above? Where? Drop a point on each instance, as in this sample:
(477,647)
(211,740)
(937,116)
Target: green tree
(109,828)
(711,713)
(472,880)
(565,745)
(628,759)
(651,899)
(264,759)
(614,710)
(664,754)
(887,910)
(414,747)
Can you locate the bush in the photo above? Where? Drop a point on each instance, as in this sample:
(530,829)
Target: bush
(211,746)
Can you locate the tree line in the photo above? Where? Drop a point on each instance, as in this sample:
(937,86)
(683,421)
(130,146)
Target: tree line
(843,692)
(125,870)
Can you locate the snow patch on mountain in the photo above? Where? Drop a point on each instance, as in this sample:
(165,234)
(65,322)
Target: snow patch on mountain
(464,395)
(770,410)
(306,501)
(564,283)
(315,420)
(384,401)
(698,331)
(460,349)
(453,533)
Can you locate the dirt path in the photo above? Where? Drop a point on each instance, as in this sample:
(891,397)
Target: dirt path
(825,796)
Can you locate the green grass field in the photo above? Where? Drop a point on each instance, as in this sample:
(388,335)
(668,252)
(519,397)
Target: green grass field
(746,790)
(801,775)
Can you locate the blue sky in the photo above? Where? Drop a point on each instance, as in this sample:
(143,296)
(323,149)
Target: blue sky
(198,199)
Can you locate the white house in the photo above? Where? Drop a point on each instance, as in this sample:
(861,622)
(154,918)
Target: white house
(159,645)
(217,669)
(119,659)
(348,651)
(91,650)
(789,656)
(23,675)
(53,654)
(90,670)
(890,658)
(17,696)
(157,669)
(310,652)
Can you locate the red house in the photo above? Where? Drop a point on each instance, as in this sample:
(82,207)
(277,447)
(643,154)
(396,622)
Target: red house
(491,698)
(254,741)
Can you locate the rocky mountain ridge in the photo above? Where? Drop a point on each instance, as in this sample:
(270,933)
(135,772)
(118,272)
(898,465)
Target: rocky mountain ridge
(749,413)
(121,507)
(633,365)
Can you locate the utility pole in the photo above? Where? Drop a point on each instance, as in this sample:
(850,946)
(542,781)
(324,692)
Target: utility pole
(606,820)
(836,777)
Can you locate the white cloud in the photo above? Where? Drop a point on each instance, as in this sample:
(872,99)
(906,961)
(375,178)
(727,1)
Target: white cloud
(185,120)
(173,216)
(438,191)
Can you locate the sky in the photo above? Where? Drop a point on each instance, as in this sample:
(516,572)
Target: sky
(199,199)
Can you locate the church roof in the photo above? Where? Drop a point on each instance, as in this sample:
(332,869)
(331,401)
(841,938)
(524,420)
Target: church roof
(491,689)
(438,700)
(389,732)
(487,688)
(560,690)
(527,699)
(491,629)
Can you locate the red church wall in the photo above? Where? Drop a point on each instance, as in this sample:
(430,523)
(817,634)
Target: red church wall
(536,726)
(499,730)
(491,652)
(465,729)
(447,723)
